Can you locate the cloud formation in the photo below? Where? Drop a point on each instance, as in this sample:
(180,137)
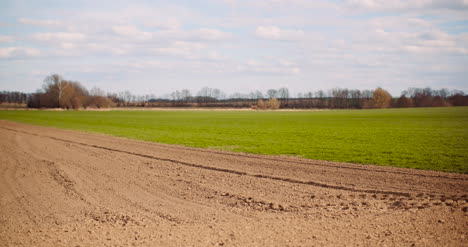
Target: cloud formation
(275,33)
(59,36)
(409,5)
(236,45)
(45,23)
(6,39)
(18,52)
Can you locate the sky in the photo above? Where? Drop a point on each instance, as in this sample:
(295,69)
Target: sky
(157,47)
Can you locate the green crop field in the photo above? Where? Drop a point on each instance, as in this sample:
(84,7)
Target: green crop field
(424,138)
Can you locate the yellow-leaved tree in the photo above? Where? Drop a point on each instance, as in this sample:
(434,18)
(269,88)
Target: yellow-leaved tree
(381,98)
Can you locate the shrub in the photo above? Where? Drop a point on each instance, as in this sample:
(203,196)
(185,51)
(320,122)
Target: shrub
(99,102)
(404,102)
(381,98)
(261,104)
(272,104)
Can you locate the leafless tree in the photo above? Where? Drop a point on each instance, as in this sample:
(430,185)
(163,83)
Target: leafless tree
(186,95)
(97,92)
(283,93)
(54,86)
(272,93)
(258,94)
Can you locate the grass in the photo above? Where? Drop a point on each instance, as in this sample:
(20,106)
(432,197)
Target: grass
(421,138)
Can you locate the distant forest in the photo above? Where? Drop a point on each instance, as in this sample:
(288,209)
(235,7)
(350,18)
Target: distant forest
(60,93)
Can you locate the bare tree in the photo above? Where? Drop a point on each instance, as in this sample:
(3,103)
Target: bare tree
(216,93)
(14,97)
(239,96)
(54,86)
(272,93)
(283,93)
(205,95)
(97,92)
(58,92)
(404,102)
(176,96)
(128,97)
(258,94)
(186,95)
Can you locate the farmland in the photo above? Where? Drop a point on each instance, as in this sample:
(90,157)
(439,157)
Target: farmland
(421,138)
(68,188)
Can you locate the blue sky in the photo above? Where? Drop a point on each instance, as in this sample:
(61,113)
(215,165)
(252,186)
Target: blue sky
(156,47)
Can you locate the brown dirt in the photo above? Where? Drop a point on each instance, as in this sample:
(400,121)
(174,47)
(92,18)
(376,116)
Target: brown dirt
(67,188)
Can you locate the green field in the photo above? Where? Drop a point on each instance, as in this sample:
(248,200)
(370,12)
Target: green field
(424,138)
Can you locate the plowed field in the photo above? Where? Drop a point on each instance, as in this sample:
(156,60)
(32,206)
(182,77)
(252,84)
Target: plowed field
(67,188)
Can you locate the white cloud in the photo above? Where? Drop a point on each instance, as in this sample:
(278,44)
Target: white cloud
(180,49)
(6,39)
(409,5)
(103,48)
(132,32)
(12,52)
(44,23)
(426,42)
(210,34)
(68,45)
(282,67)
(275,33)
(279,3)
(170,23)
(287,63)
(355,44)
(201,34)
(401,23)
(127,30)
(59,36)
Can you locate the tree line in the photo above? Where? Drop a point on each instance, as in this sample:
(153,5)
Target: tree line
(57,92)
(13,97)
(60,93)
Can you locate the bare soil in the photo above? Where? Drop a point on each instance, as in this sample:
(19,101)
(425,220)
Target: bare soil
(68,188)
